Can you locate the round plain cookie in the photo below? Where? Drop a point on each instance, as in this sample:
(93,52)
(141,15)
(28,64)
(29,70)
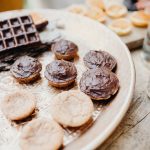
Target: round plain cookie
(97,59)
(78,9)
(99,84)
(116,10)
(140,18)
(121,26)
(96,4)
(41,134)
(72,108)
(18,105)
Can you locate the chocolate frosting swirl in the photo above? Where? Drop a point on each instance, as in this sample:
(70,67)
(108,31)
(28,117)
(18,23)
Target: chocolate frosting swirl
(60,71)
(99,83)
(25,66)
(64,47)
(97,59)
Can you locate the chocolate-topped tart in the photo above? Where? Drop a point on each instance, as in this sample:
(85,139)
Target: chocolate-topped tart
(26,69)
(99,83)
(60,73)
(64,49)
(96,59)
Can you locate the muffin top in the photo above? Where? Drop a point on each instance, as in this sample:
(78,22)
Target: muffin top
(99,83)
(96,59)
(60,71)
(64,47)
(25,66)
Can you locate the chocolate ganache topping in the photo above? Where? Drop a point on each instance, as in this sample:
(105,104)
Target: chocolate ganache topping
(97,59)
(99,83)
(64,47)
(26,66)
(60,71)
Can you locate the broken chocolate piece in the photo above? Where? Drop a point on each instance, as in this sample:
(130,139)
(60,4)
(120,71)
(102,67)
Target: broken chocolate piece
(39,21)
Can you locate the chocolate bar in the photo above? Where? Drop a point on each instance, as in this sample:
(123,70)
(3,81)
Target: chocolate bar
(18,32)
(18,36)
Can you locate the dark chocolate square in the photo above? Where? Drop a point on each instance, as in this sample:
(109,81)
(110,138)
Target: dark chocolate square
(10,42)
(15,21)
(21,40)
(18,30)
(26,19)
(32,37)
(4,24)
(1,45)
(29,28)
(7,33)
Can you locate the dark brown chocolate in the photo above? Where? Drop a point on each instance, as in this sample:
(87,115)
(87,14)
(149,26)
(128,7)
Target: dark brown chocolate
(64,47)
(97,59)
(41,26)
(25,67)
(18,37)
(99,83)
(60,71)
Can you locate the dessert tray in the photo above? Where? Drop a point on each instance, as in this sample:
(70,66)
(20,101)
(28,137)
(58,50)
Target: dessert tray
(88,35)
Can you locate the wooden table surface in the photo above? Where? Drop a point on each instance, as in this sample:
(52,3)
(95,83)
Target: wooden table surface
(133,133)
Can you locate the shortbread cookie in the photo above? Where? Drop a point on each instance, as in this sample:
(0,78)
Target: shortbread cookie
(39,21)
(72,108)
(121,26)
(96,14)
(41,134)
(78,9)
(99,84)
(116,10)
(140,19)
(96,3)
(97,59)
(18,105)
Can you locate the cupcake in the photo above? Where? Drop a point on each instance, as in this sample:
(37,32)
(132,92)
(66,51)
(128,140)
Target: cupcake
(64,49)
(26,69)
(99,84)
(60,73)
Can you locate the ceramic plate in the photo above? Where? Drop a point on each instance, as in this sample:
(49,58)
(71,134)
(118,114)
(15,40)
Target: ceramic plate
(88,35)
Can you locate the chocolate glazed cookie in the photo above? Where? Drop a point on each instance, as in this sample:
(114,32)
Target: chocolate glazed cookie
(99,84)
(26,69)
(97,59)
(65,49)
(60,73)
